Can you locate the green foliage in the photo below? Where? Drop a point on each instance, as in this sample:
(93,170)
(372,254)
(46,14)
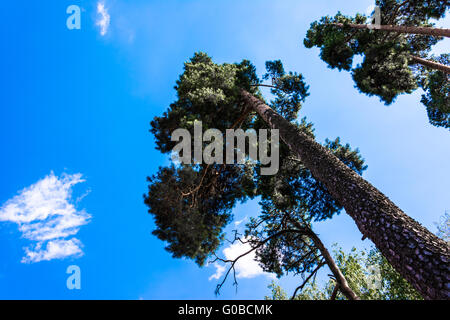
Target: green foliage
(387,69)
(444,228)
(208,92)
(411,12)
(290,90)
(436,85)
(277,292)
(381,60)
(338,46)
(369,275)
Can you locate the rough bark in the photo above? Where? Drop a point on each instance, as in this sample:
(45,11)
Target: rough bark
(416,253)
(431,64)
(429,31)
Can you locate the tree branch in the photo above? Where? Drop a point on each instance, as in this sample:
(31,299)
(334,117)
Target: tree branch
(233,262)
(340,279)
(429,31)
(335,292)
(431,64)
(265,85)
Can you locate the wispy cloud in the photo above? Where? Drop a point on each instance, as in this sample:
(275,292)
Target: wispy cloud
(239,222)
(46,215)
(104,19)
(220,270)
(246,267)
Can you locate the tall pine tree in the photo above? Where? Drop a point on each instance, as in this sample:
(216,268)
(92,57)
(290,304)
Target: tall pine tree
(221,94)
(396,54)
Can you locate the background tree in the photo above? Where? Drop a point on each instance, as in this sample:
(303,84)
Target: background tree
(369,275)
(394,62)
(444,228)
(220,94)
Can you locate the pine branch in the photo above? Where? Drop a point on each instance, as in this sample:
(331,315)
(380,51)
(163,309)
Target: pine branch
(429,31)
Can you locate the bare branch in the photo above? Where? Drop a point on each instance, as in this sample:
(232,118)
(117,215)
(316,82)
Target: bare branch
(233,262)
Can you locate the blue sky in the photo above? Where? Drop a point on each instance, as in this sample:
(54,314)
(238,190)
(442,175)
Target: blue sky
(79,102)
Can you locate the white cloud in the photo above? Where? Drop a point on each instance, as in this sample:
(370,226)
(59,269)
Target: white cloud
(220,270)
(246,267)
(239,222)
(54,249)
(103,19)
(46,215)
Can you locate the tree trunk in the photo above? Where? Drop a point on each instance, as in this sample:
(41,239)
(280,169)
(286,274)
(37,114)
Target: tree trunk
(340,279)
(429,31)
(335,292)
(417,254)
(431,64)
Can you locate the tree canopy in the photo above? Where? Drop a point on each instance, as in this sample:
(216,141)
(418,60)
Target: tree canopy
(388,68)
(191,204)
